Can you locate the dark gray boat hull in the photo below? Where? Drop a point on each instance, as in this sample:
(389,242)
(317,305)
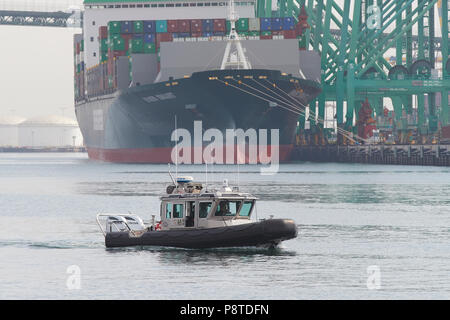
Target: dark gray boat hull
(266,232)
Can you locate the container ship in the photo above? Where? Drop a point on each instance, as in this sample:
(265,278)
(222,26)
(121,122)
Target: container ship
(141,64)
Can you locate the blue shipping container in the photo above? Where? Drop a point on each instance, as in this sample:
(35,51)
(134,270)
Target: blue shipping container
(207,34)
(266,24)
(277,24)
(288,23)
(208,25)
(149,38)
(181,35)
(138,36)
(161,26)
(126,27)
(149,26)
(219,33)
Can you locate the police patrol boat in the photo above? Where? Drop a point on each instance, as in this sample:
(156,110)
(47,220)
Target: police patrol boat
(194,217)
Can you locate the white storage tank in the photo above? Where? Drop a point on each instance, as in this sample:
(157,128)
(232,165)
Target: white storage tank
(9,133)
(50,131)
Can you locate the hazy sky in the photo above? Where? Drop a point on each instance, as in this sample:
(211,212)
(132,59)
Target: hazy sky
(36,64)
(36,71)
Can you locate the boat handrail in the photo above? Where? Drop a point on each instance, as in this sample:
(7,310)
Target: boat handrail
(113,215)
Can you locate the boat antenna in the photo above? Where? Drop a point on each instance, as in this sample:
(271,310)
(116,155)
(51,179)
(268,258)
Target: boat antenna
(238,169)
(171,177)
(206,173)
(176,150)
(237,58)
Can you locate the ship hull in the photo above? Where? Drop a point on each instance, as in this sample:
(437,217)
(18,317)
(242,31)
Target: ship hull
(265,233)
(136,125)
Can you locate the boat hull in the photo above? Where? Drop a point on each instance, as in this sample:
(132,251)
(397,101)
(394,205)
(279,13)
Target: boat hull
(136,125)
(264,233)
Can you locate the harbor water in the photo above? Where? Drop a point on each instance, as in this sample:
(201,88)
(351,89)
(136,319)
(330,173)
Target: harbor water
(365,232)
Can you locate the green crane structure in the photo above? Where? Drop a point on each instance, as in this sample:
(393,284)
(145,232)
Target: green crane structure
(354,68)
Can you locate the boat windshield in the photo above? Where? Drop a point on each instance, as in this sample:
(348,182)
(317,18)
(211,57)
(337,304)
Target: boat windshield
(246,209)
(226,208)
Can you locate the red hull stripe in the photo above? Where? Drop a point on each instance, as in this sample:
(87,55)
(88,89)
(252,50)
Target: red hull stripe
(161,155)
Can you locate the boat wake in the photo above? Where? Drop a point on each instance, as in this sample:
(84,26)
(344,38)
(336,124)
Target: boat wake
(59,244)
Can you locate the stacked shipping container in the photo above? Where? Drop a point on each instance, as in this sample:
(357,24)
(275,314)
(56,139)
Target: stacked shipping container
(79,67)
(123,38)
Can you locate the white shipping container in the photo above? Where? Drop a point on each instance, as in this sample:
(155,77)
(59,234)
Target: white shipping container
(254,24)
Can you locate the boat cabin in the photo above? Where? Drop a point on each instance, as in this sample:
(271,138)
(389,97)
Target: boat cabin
(190,207)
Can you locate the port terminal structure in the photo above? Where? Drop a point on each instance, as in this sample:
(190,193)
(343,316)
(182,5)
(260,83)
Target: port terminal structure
(353,39)
(396,103)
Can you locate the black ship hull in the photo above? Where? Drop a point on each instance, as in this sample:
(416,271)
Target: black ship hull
(136,125)
(265,233)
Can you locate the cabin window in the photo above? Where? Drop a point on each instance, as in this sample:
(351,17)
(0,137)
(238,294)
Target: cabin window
(227,208)
(168,211)
(246,209)
(177,211)
(204,209)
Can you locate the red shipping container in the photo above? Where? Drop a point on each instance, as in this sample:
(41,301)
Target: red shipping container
(184,26)
(220,25)
(196,34)
(265,37)
(78,48)
(172,26)
(290,34)
(277,33)
(164,37)
(196,26)
(103,32)
(446,132)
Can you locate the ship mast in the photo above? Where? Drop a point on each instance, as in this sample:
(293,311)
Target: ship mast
(237,58)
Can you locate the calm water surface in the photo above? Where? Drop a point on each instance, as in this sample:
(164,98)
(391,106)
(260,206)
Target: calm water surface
(350,217)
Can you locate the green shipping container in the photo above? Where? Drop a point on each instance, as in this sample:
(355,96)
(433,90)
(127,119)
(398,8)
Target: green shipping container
(78,68)
(149,48)
(266,33)
(117,44)
(302,42)
(244,33)
(161,26)
(136,46)
(114,27)
(104,45)
(104,57)
(82,45)
(242,24)
(253,33)
(138,27)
